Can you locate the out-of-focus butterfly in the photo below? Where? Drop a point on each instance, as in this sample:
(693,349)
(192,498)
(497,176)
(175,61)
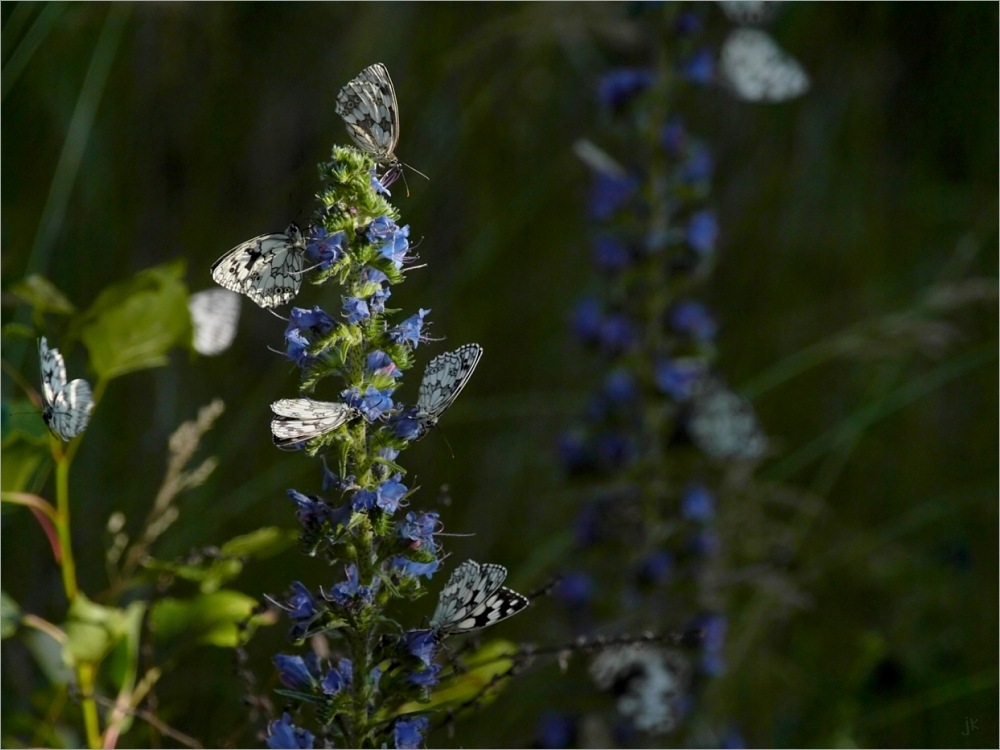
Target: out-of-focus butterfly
(754,68)
(474,598)
(267,269)
(444,378)
(750,12)
(300,419)
(723,423)
(215,315)
(66,406)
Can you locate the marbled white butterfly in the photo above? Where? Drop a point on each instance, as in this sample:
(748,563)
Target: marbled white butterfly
(371,113)
(444,378)
(267,269)
(750,12)
(723,423)
(756,69)
(473,598)
(301,419)
(66,406)
(215,314)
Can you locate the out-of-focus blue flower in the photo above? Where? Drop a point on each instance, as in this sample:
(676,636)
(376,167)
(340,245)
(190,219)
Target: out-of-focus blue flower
(699,67)
(363,500)
(693,319)
(311,511)
(283,734)
(620,387)
(379,363)
(618,87)
(355,309)
(421,644)
(673,137)
(346,592)
(414,568)
(297,672)
(733,740)
(616,333)
(586,320)
(325,248)
(420,527)
(555,730)
(609,193)
(698,166)
(409,331)
(373,403)
(677,377)
(575,453)
(697,503)
(405,424)
(610,254)
(705,543)
(574,589)
(614,449)
(656,567)
(409,733)
(390,494)
(703,232)
(688,23)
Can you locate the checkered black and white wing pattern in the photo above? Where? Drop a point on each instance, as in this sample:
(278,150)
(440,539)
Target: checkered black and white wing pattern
(368,106)
(267,269)
(215,315)
(66,406)
(300,419)
(474,598)
(756,69)
(445,377)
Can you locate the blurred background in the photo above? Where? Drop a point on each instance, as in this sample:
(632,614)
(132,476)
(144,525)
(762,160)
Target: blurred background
(136,134)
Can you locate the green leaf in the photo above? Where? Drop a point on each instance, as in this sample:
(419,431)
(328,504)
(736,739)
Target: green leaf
(43,295)
(21,456)
(206,619)
(10,615)
(261,544)
(132,325)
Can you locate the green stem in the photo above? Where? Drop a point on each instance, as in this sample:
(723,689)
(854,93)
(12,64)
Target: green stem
(85,676)
(63,462)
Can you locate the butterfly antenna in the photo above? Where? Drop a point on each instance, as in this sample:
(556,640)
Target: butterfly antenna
(415,170)
(444,437)
(279,317)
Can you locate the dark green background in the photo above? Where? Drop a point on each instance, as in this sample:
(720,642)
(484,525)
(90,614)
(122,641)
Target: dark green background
(835,209)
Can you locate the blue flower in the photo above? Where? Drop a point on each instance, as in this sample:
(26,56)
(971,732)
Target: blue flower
(698,166)
(390,239)
(373,403)
(325,248)
(575,589)
(297,348)
(335,681)
(699,67)
(620,387)
(346,592)
(702,232)
(693,319)
(616,333)
(586,320)
(390,494)
(574,450)
(409,733)
(677,377)
(704,543)
(697,503)
(295,672)
(388,453)
(377,185)
(372,276)
(609,193)
(409,331)
(414,568)
(283,734)
(355,309)
(614,449)
(610,254)
(620,86)
(673,137)
(316,320)
(301,604)
(688,23)
(421,644)
(332,481)
(420,528)
(427,677)
(377,301)
(379,363)
(312,511)
(363,500)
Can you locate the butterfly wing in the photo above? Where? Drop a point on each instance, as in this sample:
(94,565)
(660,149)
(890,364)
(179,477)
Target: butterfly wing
(474,598)
(301,419)
(445,377)
(756,69)
(215,314)
(723,423)
(368,106)
(267,269)
(69,413)
(53,369)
